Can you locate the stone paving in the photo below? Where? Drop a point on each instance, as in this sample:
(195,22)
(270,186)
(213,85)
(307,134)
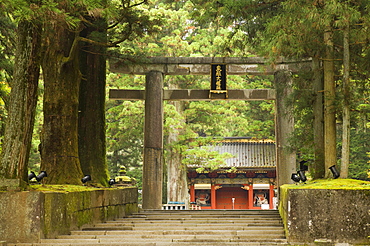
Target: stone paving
(180,227)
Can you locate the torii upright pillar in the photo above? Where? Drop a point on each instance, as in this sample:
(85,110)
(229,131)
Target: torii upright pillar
(284,127)
(153,141)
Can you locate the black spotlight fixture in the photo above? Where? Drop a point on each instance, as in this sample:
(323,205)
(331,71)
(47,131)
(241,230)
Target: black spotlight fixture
(295,177)
(31,175)
(303,166)
(86,178)
(302,176)
(111,181)
(41,175)
(334,171)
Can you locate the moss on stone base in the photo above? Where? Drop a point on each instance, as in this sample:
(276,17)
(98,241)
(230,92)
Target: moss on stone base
(347,184)
(50,210)
(334,211)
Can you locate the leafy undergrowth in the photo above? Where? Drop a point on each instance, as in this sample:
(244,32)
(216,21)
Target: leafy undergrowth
(350,184)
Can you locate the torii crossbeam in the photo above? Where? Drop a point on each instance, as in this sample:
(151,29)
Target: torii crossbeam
(157,67)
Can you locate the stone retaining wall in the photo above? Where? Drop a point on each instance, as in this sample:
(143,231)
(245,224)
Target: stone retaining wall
(330,215)
(29,216)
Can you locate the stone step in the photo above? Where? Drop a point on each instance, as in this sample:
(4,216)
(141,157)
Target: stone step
(161,227)
(234,215)
(165,228)
(196,234)
(217,211)
(208,229)
(189,222)
(267,243)
(177,232)
(204,215)
(208,212)
(205,218)
(186,226)
(186,222)
(124,241)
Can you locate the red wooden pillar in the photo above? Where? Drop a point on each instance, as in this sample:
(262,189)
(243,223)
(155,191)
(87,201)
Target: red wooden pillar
(213,197)
(250,197)
(192,193)
(271,196)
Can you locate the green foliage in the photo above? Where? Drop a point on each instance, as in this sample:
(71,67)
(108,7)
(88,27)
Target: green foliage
(7,41)
(234,118)
(4,91)
(180,35)
(174,122)
(127,19)
(205,159)
(125,121)
(210,28)
(125,137)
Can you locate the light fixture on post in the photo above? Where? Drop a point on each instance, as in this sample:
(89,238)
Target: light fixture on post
(303,166)
(295,177)
(302,176)
(31,175)
(334,171)
(41,175)
(86,178)
(111,181)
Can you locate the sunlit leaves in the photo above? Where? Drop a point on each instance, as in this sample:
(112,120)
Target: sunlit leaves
(204,158)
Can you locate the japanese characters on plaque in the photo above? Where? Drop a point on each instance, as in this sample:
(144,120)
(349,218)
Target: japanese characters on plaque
(218,77)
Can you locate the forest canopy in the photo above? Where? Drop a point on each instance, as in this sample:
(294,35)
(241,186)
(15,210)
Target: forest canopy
(333,33)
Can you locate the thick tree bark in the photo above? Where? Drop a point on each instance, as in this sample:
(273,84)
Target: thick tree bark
(91,128)
(23,101)
(318,168)
(346,106)
(59,141)
(329,104)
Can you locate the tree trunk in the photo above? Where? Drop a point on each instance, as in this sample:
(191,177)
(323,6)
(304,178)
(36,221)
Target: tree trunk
(91,128)
(346,106)
(329,104)
(318,168)
(59,141)
(177,189)
(23,101)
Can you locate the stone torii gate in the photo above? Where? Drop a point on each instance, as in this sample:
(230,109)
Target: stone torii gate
(157,67)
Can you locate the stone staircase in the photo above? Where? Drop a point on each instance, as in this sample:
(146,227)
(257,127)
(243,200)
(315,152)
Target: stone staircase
(180,227)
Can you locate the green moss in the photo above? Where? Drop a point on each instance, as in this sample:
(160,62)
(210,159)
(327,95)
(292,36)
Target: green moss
(84,217)
(66,188)
(283,193)
(345,184)
(131,208)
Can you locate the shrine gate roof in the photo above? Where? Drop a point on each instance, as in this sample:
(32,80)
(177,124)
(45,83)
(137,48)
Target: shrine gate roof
(248,153)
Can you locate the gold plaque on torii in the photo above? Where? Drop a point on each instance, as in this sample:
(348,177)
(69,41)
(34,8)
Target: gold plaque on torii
(218,80)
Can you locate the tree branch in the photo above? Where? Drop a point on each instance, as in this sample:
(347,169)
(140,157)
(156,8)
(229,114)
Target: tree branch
(72,51)
(131,6)
(98,43)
